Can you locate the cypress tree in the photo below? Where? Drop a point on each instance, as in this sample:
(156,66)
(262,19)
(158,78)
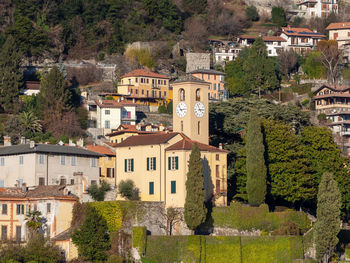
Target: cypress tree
(256,169)
(195,210)
(328,221)
(10,73)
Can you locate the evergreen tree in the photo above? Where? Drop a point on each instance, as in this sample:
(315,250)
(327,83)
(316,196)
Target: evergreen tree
(328,221)
(10,74)
(92,237)
(195,210)
(256,169)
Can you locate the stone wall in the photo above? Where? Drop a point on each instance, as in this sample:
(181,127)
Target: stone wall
(197,61)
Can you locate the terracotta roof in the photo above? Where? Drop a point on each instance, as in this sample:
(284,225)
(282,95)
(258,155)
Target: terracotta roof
(44,191)
(149,139)
(144,73)
(301,32)
(341,25)
(186,144)
(101,149)
(32,85)
(334,88)
(113,104)
(129,131)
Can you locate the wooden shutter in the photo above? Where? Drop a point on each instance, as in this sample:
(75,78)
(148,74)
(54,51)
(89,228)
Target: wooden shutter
(177,163)
(132,165)
(154,163)
(169,163)
(147,164)
(126,165)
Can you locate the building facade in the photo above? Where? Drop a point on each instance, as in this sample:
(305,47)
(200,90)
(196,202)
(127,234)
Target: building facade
(158,163)
(54,203)
(334,102)
(316,8)
(44,164)
(300,40)
(341,33)
(217,90)
(274,44)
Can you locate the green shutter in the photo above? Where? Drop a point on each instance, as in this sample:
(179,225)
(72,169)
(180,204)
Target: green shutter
(132,165)
(147,164)
(173,187)
(169,163)
(151,188)
(177,163)
(126,165)
(154,163)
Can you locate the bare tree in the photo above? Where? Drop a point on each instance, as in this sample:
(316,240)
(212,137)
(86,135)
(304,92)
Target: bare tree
(331,58)
(196,33)
(287,62)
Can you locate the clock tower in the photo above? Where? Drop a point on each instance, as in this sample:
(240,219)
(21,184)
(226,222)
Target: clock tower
(190,108)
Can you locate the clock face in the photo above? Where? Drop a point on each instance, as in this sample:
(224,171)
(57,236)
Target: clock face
(181,109)
(199,109)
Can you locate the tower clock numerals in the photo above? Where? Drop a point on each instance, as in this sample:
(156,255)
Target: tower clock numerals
(199,109)
(181,109)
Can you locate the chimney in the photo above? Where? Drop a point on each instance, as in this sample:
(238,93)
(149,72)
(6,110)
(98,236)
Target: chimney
(100,101)
(31,144)
(23,140)
(24,187)
(7,141)
(71,143)
(80,143)
(220,146)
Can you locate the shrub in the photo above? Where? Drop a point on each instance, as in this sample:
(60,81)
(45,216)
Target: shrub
(252,13)
(98,193)
(321,117)
(112,212)
(139,238)
(278,16)
(100,56)
(128,190)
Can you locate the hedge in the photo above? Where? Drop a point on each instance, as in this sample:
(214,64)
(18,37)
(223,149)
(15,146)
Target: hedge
(216,249)
(139,238)
(112,212)
(242,217)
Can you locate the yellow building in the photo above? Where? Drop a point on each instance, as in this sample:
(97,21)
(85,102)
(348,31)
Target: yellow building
(144,88)
(53,201)
(106,163)
(158,163)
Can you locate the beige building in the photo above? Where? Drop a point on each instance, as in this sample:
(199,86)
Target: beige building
(341,33)
(45,164)
(54,202)
(158,163)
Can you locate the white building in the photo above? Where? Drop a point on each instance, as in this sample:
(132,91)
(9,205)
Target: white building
(273,43)
(110,114)
(300,39)
(341,33)
(44,164)
(315,8)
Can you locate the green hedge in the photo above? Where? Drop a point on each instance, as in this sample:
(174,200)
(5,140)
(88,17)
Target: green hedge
(248,218)
(215,249)
(139,238)
(112,212)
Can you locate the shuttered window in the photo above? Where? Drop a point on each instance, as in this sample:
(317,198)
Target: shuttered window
(151,188)
(173,187)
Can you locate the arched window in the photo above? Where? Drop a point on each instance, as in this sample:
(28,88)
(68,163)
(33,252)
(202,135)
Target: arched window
(182,94)
(198,95)
(182,126)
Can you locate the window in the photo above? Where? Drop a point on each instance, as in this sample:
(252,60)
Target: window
(199,127)
(18,233)
(2,161)
(20,210)
(2,183)
(3,232)
(21,159)
(93,182)
(173,163)
(71,181)
(63,160)
(217,157)
(63,181)
(48,208)
(129,165)
(41,159)
(182,126)
(214,77)
(93,162)
(136,80)
(151,188)
(182,94)
(147,81)
(107,112)
(151,164)
(107,124)
(41,181)
(142,91)
(173,187)
(4,209)
(73,160)
(109,172)
(198,96)
(217,184)
(217,169)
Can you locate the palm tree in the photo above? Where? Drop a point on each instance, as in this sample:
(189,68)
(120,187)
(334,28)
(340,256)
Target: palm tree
(34,221)
(30,122)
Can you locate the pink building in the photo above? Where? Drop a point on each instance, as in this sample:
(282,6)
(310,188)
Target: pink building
(217,89)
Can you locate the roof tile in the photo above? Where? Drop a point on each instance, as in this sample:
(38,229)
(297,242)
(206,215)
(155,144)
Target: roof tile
(101,149)
(144,73)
